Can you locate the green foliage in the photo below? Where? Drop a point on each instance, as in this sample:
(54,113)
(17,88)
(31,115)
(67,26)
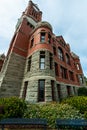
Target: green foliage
(82,91)
(13,107)
(51,112)
(69,108)
(1,111)
(85,114)
(1,116)
(79,102)
(85,80)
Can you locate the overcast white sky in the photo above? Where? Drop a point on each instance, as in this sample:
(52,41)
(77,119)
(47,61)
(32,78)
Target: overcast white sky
(67,17)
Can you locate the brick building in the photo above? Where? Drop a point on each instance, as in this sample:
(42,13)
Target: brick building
(39,65)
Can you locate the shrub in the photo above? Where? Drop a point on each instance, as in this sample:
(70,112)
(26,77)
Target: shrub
(79,102)
(85,114)
(51,112)
(1,111)
(82,91)
(13,107)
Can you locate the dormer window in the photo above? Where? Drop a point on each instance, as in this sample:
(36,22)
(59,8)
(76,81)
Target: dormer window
(42,37)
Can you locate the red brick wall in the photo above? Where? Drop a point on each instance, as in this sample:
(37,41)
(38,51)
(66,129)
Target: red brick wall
(66,50)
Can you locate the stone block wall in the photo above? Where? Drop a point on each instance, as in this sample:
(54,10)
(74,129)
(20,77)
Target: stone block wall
(12,76)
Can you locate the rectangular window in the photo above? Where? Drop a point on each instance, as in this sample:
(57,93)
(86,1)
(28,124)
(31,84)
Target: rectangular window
(77,78)
(67,59)
(56,69)
(59,91)
(81,79)
(25,90)
(42,38)
(29,63)
(68,90)
(78,66)
(74,90)
(71,76)
(60,54)
(41,91)
(54,50)
(51,60)
(63,72)
(52,86)
(32,43)
(42,60)
(49,38)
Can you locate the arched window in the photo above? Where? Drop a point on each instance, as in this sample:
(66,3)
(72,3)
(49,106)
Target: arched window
(60,54)
(67,59)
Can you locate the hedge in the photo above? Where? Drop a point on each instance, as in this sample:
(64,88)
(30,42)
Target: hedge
(13,107)
(79,102)
(51,112)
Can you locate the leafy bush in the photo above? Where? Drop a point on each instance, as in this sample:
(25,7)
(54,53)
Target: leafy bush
(51,112)
(13,107)
(1,111)
(79,102)
(85,114)
(82,91)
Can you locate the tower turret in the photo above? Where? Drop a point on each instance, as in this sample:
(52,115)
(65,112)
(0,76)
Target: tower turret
(33,11)
(12,72)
